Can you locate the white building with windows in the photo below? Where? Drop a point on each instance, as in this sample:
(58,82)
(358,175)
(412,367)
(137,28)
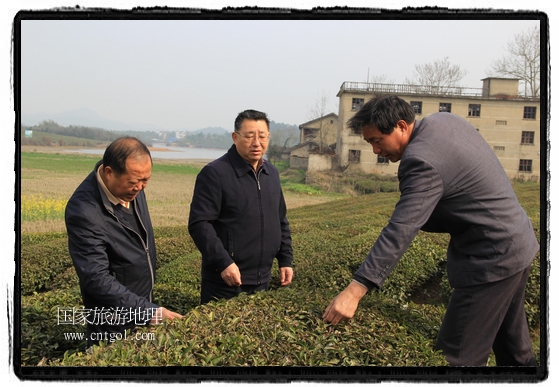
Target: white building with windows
(508,122)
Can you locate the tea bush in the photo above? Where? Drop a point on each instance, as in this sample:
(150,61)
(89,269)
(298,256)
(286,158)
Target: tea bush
(374,186)
(42,334)
(43,257)
(281,327)
(178,283)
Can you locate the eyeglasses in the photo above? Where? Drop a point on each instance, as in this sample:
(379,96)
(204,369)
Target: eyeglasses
(249,137)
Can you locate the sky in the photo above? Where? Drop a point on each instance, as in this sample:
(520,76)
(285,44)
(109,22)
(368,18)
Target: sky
(128,76)
(191,74)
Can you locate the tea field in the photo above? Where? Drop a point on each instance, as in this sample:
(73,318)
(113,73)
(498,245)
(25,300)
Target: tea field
(396,326)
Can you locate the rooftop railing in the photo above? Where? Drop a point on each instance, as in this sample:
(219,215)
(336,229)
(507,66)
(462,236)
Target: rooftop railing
(388,88)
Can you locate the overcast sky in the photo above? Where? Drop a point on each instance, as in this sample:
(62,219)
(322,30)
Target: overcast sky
(191,74)
(128,75)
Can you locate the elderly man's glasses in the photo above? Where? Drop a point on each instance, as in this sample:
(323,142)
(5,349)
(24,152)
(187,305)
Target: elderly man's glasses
(249,137)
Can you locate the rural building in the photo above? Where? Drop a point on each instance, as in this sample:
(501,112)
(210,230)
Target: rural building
(309,156)
(317,143)
(323,129)
(509,122)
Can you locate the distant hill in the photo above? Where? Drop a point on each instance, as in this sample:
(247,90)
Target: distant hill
(39,138)
(85,124)
(212,130)
(89,118)
(84,117)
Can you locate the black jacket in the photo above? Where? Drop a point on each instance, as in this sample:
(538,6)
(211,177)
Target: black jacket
(239,216)
(115,266)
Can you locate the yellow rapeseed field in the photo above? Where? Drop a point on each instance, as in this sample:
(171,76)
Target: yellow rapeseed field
(38,207)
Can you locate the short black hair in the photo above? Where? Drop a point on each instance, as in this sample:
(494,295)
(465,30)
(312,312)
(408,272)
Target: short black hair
(120,150)
(383,112)
(250,114)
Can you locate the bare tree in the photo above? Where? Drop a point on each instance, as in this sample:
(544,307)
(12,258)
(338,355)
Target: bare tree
(523,61)
(437,76)
(280,140)
(379,79)
(316,113)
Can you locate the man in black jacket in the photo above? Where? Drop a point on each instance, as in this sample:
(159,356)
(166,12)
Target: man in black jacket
(111,242)
(238,216)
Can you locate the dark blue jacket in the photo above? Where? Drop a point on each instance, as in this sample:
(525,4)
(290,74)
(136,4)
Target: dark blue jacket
(238,216)
(115,266)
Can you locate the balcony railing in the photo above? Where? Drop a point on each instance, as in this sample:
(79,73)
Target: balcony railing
(388,88)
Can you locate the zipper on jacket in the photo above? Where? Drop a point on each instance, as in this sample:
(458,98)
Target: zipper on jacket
(257,179)
(259,273)
(144,244)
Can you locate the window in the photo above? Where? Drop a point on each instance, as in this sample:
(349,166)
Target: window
(444,107)
(530,112)
(474,110)
(356,103)
(354,156)
(309,133)
(498,148)
(382,160)
(525,166)
(500,122)
(527,138)
(417,106)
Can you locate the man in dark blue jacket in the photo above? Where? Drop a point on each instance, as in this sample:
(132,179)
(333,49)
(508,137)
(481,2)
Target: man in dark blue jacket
(452,182)
(238,216)
(111,242)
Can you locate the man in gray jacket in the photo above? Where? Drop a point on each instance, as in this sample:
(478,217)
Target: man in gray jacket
(451,182)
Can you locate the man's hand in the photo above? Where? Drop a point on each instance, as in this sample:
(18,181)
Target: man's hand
(286,275)
(163,314)
(231,275)
(344,305)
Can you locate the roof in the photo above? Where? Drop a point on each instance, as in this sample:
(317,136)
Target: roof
(317,119)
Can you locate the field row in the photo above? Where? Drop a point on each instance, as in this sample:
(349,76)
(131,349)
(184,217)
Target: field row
(396,326)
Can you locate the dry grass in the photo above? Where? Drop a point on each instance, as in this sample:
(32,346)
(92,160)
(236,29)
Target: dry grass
(48,185)
(168,195)
(51,225)
(169,199)
(294,200)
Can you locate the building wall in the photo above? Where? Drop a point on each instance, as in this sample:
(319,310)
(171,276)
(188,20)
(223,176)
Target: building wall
(301,158)
(500,122)
(319,162)
(329,130)
(493,87)
(297,162)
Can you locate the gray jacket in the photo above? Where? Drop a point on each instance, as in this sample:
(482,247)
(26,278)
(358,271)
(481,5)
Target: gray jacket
(452,182)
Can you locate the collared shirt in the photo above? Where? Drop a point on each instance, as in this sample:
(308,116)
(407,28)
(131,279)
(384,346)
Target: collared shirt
(112,198)
(258,166)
